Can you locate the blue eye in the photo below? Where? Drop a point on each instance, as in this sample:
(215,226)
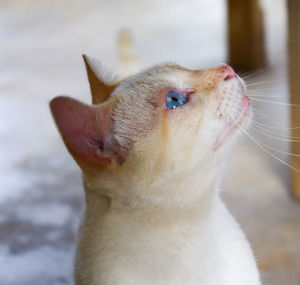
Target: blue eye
(174,100)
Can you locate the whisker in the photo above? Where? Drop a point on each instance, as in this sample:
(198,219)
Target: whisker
(270,131)
(254,95)
(268,93)
(278,150)
(280,81)
(274,102)
(267,151)
(272,127)
(263,132)
(268,88)
(244,74)
(262,113)
(262,82)
(253,74)
(265,127)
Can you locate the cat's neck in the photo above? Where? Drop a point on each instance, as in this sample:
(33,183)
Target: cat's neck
(142,209)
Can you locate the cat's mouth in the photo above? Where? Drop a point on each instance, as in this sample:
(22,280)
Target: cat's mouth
(234,124)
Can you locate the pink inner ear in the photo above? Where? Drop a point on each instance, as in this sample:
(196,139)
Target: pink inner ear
(84,129)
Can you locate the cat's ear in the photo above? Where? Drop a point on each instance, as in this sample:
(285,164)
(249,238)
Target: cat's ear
(86,131)
(99,89)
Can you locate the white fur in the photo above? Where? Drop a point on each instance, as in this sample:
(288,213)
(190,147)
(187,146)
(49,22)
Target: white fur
(204,246)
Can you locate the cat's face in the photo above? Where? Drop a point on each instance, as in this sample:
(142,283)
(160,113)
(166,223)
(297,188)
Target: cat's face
(163,127)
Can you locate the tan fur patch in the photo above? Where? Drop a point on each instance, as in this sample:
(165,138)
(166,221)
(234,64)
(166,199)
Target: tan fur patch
(100,90)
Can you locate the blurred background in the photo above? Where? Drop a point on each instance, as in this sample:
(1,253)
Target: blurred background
(41,43)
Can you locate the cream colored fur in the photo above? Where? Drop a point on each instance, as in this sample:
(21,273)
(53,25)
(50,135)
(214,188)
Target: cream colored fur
(157,217)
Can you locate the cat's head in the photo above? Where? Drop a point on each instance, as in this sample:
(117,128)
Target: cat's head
(157,133)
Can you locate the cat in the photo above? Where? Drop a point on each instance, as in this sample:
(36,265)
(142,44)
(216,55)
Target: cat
(151,149)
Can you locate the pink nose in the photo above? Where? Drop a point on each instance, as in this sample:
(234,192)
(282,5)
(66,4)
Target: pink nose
(228,72)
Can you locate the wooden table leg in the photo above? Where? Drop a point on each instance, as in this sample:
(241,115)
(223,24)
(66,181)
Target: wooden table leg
(294,75)
(245,35)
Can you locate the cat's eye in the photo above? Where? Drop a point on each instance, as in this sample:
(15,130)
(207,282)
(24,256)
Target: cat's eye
(175,99)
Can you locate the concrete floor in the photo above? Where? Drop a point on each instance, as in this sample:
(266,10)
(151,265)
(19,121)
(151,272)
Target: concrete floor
(40,194)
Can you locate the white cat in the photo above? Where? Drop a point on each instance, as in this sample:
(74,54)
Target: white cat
(151,151)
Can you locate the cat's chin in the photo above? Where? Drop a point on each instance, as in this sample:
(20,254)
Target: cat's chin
(237,124)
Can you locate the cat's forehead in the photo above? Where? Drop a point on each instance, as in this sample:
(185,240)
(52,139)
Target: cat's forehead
(155,78)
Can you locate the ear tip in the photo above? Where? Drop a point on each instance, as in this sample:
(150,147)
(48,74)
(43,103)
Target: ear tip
(53,103)
(58,101)
(87,59)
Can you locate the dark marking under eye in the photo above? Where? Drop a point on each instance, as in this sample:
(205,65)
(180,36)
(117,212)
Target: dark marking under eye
(98,144)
